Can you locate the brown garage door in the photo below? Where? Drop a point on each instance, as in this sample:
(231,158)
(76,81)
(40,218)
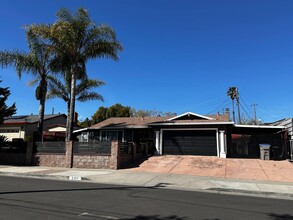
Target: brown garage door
(190,142)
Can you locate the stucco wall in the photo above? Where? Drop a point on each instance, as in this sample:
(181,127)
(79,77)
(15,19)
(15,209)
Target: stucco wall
(16,132)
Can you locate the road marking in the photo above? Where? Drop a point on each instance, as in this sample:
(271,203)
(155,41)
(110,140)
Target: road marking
(100,216)
(74,177)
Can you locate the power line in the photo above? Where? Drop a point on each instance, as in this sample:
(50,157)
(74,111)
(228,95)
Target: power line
(254,110)
(222,105)
(249,116)
(247,108)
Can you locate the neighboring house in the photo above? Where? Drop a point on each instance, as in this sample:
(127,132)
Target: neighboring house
(55,132)
(24,126)
(288,123)
(188,133)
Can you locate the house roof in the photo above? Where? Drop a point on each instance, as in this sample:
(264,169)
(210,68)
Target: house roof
(28,119)
(187,118)
(128,122)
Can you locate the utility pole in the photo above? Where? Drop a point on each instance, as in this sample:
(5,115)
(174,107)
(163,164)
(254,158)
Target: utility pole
(254,111)
(238,105)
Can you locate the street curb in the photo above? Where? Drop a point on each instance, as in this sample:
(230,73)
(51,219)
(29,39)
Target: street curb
(262,194)
(226,191)
(53,177)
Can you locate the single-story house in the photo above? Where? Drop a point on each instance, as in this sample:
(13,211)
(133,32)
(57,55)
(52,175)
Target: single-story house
(24,126)
(188,133)
(55,132)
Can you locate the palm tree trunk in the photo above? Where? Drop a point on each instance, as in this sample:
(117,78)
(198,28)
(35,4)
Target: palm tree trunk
(72,106)
(43,85)
(68,113)
(41,120)
(233,111)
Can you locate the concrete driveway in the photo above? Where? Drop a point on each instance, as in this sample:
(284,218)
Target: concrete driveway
(250,169)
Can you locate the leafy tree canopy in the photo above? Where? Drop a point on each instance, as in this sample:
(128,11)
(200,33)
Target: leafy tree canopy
(116,110)
(119,110)
(86,123)
(100,115)
(5,111)
(149,113)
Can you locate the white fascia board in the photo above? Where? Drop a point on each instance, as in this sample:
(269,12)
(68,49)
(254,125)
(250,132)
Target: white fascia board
(79,130)
(190,113)
(195,123)
(259,126)
(109,128)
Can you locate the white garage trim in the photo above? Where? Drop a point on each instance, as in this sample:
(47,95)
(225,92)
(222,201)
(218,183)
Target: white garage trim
(188,129)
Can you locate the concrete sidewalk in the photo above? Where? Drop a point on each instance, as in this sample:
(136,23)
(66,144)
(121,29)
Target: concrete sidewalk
(163,180)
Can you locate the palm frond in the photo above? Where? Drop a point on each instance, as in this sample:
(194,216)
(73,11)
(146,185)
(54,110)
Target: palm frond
(33,82)
(89,96)
(86,85)
(65,15)
(22,61)
(56,83)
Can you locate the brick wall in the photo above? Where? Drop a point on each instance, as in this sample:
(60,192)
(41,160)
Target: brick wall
(115,160)
(49,160)
(91,161)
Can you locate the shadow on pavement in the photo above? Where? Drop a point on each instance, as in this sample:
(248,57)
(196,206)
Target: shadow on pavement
(159,185)
(281,217)
(155,217)
(135,163)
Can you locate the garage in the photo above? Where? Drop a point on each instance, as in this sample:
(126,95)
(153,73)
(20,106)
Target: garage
(190,142)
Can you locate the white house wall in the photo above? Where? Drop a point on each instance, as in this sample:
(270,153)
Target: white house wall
(12,132)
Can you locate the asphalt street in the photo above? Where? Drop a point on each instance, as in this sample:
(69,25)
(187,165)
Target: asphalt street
(25,198)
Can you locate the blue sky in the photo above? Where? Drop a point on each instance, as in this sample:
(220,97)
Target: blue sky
(178,55)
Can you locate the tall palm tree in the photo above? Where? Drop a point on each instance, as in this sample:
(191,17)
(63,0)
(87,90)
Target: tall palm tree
(36,62)
(75,39)
(61,89)
(232,93)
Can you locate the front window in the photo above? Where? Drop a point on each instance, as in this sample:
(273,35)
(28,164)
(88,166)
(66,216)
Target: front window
(112,135)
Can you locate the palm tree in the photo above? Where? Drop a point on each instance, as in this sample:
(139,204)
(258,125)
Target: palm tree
(232,93)
(75,38)
(61,89)
(36,62)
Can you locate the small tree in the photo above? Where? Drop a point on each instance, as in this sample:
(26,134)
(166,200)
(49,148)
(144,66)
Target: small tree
(100,115)
(5,111)
(86,123)
(149,113)
(118,110)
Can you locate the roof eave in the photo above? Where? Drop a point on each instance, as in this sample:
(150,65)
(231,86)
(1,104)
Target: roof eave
(190,113)
(194,123)
(260,126)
